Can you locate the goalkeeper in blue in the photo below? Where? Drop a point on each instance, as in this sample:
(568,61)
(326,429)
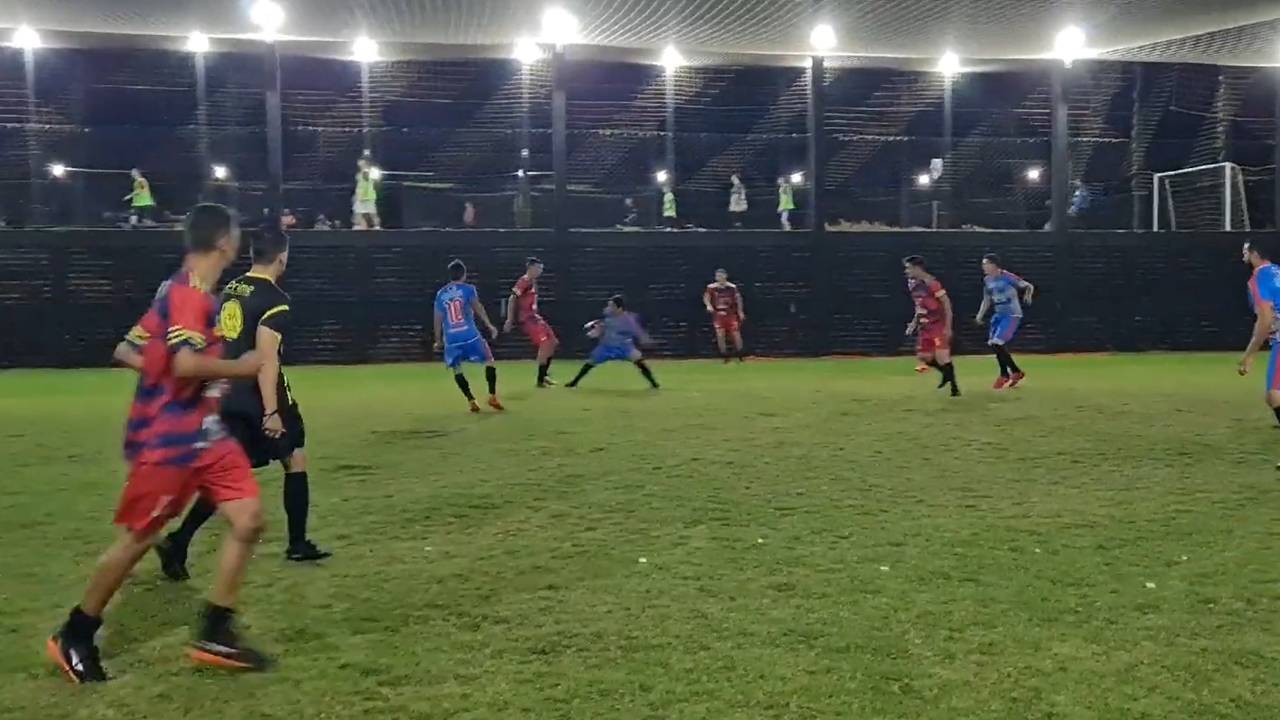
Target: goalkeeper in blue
(618,332)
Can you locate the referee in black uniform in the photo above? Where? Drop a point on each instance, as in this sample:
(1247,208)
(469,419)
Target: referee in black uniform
(261,414)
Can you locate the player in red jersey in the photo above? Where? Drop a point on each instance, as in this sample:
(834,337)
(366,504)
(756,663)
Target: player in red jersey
(523,306)
(723,301)
(932,322)
(177,446)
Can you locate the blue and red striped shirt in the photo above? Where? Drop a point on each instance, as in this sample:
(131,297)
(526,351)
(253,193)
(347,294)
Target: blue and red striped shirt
(173,420)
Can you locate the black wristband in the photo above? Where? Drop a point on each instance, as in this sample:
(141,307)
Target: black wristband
(268,415)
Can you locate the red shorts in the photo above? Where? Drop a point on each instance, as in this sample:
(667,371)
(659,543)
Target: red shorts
(727,322)
(155,494)
(929,342)
(539,331)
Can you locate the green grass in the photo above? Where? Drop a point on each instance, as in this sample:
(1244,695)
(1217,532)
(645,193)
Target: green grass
(826,539)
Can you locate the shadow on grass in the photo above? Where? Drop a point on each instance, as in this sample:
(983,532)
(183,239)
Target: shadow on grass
(150,606)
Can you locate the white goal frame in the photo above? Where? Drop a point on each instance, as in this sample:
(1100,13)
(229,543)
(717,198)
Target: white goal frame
(1228,186)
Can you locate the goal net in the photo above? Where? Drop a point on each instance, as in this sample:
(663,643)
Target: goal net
(1205,197)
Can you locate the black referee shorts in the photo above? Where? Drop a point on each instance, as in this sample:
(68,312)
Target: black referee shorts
(261,449)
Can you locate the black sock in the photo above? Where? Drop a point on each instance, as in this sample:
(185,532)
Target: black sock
(586,368)
(934,364)
(1000,358)
(646,372)
(1277,412)
(81,625)
(464,386)
(197,516)
(297,503)
(542,372)
(949,374)
(216,620)
(1008,360)
(491,377)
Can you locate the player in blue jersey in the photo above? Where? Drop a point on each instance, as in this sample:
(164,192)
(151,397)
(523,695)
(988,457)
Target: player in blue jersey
(618,332)
(457,306)
(1264,293)
(1004,293)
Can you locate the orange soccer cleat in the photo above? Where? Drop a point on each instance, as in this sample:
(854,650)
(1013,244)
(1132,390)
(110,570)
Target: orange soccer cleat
(1017,378)
(475,406)
(1001,383)
(495,403)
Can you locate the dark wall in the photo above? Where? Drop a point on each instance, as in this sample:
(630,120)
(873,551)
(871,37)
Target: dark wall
(67,297)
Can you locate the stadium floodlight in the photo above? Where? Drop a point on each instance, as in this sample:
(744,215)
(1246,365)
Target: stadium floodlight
(559,26)
(949,64)
(221,173)
(527,51)
(797,178)
(268,16)
(1069,45)
(365,50)
(662,176)
(198,42)
(521,173)
(672,59)
(923,180)
(823,38)
(58,170)
(375,173)
(26,38)
(1033,174)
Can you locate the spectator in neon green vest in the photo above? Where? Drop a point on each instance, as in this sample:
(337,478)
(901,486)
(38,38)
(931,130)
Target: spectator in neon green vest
(669,214)
(786,202)
(364,203)
(142,205)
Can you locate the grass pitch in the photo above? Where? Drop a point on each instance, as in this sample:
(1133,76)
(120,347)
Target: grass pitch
(820,539)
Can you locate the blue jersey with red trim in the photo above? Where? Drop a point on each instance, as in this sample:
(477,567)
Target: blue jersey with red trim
(454,303)
(173,420)
(1264,288)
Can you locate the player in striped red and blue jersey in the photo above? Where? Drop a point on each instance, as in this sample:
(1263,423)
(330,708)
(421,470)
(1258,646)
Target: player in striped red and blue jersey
(177,446)
(1264,293)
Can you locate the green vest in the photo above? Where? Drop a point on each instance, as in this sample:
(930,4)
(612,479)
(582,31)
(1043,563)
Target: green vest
(142,194)
(668,204)
(786,198)
(366,189)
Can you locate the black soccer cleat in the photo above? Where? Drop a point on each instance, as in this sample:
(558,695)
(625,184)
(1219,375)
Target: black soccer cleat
(173,560)
(228,652)
(79,660)
(955,392)
(305,551)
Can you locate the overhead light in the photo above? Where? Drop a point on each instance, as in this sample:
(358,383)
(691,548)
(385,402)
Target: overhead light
(1033,174)
(198,42)
(375,173)
(521,173)
(365,50)
(671,58)
(26,37)
(797,178)
(923,180)
(527,51)
(662,176)
(221,173)
(1069,45)
(949,64)
(268,16)
(58,170)
(559,26)
(823,37)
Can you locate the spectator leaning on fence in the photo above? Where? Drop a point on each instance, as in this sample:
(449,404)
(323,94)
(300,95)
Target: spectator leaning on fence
(364,204)
(142,205)
(669,214)
(737,201)
(786,202)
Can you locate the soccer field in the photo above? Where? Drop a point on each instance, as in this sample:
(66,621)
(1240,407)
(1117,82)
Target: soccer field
(790,539)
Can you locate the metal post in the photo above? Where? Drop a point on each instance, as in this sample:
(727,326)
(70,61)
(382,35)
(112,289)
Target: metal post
(1060,154)
(1275,149)
(559,141)
(33,145)
(817,148)
(365,112)
(202,124)
(1135,155)
(525,213)
(275,134)
(1155,201)
(947,141)
(1226,197)
(671,126)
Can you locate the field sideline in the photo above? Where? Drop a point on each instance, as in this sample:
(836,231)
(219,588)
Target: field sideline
(820,539)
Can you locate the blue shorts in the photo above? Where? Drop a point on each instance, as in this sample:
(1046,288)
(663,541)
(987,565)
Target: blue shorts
(604,353)
(475,351)
(1003,328)
(1273,363)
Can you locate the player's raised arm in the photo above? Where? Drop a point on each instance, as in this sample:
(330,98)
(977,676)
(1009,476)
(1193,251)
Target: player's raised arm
(480,312)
